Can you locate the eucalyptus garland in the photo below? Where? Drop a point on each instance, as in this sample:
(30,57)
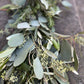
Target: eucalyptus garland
(35,53)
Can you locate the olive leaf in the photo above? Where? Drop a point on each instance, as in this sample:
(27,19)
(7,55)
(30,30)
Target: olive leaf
(34,23)
(38,70)
(66,3)
(7,52)
(15,40)
(76,61)
(22,52)
(18,2)
(42,19)
(23,25)
(49,53)
(66,52)
(60,80)
(9,6)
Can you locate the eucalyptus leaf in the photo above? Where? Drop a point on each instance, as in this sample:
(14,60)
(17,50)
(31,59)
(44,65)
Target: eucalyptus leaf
(15,40)
(66,3)
(42,19)
(23,25)
(18,2)
(7,52)
(38,70)
(34,23)
(22,52)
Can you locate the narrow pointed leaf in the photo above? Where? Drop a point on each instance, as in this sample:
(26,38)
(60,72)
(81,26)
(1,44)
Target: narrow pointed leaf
(45,3)
(7,52)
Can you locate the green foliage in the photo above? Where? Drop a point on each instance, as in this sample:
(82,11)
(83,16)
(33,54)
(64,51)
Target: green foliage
(36,53)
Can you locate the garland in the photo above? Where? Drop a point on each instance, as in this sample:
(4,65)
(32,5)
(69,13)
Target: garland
(35,53)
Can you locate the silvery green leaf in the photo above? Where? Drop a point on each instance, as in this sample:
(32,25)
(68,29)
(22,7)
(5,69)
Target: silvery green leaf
(66,3)
(49,44)
(18,2)
(44,26)
(7,52)
(54,11)
(58,11)
(23,25)
(56,53)
(62,78)
(76,61)
(42,19)
(45,3)
(66,52)
(39,34)
(15,40)
(75,72)
(11,21)
(22,52)
(38,70)
(49,53)
(34,23)
(13,56)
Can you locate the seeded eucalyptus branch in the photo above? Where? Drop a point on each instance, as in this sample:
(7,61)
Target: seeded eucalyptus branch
(35,53)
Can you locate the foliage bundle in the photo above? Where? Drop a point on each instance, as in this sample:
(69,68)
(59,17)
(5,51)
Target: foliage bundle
(35,53)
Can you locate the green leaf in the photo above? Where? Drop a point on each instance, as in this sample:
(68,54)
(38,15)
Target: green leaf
(61,35)
(42,19)
(3,63)
(9,6)
(56,44)
(23,25)
(15,40)
(39,34)
(7,52)
(18,2)
(21,53)
(66,52)
(45,3)
(76,61)
(61,81)
(54,11)
(66,4)
(49,44)
(34,23)
(44,26)
(38,70)
(49,53)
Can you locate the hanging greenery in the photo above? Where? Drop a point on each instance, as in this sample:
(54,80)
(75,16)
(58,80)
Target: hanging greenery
(35,53)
